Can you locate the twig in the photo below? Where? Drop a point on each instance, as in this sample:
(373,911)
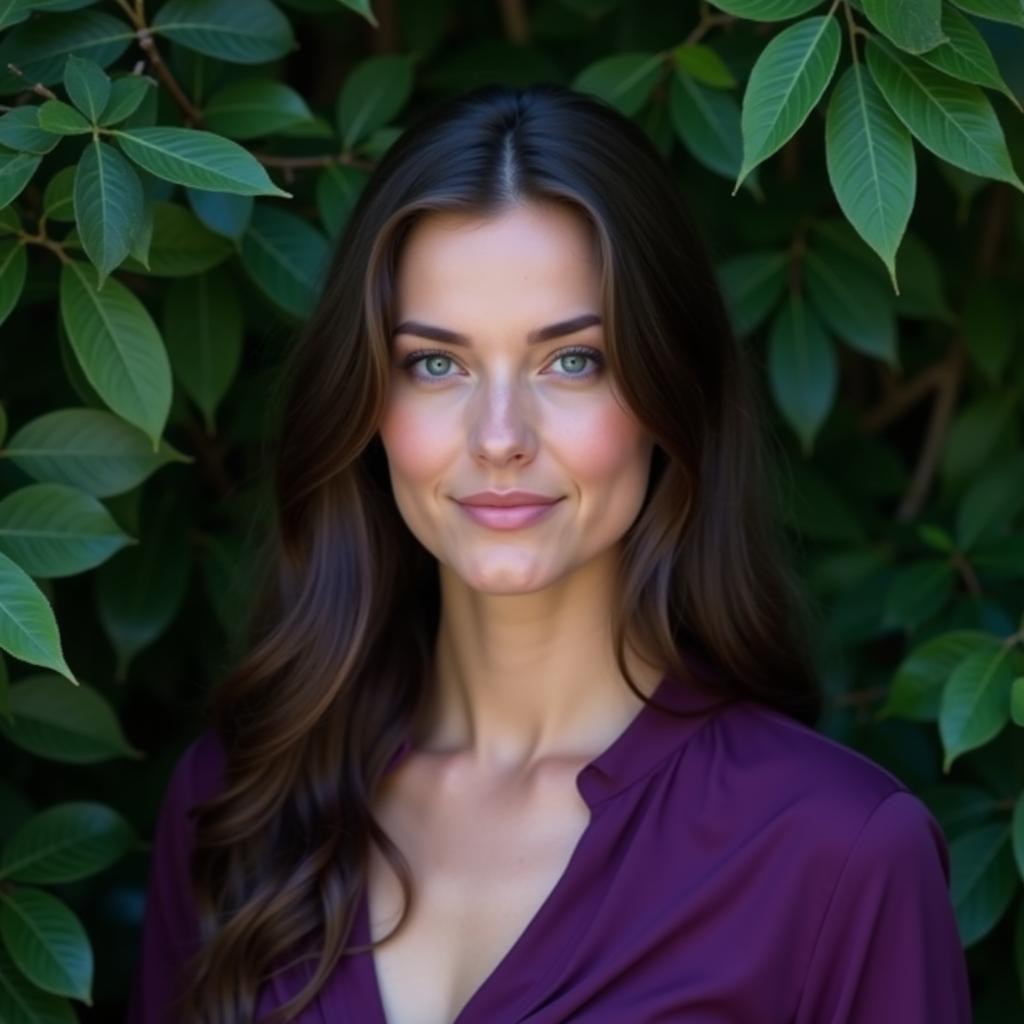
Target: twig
(513,19)
(37,87)
(707,22)
(899,399)
(146,41)
(935,437)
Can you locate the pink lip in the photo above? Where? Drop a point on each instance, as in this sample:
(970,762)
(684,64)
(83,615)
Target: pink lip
(505,498)
(511,517)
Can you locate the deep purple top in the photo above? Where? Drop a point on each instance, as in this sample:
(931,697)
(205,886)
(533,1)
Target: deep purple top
(738,868)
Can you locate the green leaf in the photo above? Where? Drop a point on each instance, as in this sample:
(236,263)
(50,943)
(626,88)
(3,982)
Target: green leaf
(1017,822)
(1017,717)
(1009,11)
(181,244)
(623,80)
(21,1002)
(914,27)
(362,7)
(921,286)
(90,449)
(87,85)
(13,269)
(966,54)
(253,32)
(61,119)
(787,80)
(918,592)
(953,119)
(47,941)
(59,196)
(916,689)
(56,530)
(118,347)
(801,368)
(983,880)
(990,328)
(707,122)
(975,702)
(126,95)
(817,510)
(203,327)
(200,159)
(849,300)
(67,842)
(223,213)
(141,589)
(5,700)
(19,129)
(254,107)
(28,629)
(976,428)
(936,537)
(767,10)
(285,258)
(10,221)
(16,170)
(40,46)
(991,503)
(337,189)
(870,159)
(108,206)
(138,253)
(753,283)
(11,13)
(374,92)
(70,724)
(699,61)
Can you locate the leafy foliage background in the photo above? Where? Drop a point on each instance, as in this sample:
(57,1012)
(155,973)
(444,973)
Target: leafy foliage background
(172,178)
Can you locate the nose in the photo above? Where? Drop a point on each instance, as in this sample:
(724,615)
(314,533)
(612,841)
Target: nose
(502,425)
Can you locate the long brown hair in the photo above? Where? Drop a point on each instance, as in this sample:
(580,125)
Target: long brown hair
(340,639)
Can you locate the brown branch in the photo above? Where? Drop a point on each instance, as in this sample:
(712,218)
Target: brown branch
(966,570)
(47,243)
(900,399)
(707,22)
(997,216)
(935,437)
(210,454)
(385,35)
(513,19)
(37,87)
(192,114)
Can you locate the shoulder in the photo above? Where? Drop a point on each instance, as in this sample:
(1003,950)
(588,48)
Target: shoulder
(826,794)
(198,772)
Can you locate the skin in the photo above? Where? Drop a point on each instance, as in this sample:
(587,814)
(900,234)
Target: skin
(526,684)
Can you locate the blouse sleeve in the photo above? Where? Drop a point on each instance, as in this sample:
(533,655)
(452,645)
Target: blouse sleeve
(889,949)
(170,928)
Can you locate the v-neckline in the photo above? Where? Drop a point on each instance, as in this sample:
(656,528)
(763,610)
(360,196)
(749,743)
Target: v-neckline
(515,950)
(591,791)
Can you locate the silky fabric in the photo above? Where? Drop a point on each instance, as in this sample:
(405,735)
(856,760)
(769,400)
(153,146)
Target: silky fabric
(738,868)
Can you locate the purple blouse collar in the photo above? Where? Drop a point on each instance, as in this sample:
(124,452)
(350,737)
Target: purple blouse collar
(649,737)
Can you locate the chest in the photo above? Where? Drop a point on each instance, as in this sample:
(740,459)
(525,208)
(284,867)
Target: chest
(481,870)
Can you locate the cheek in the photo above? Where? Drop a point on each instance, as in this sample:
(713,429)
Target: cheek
(416,438)
(604,446)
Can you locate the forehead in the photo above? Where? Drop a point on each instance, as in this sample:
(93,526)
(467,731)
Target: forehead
(531,257)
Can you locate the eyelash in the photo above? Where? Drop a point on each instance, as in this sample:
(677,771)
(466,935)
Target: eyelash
(573,350)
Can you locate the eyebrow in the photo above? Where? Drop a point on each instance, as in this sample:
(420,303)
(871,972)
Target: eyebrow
(559,330)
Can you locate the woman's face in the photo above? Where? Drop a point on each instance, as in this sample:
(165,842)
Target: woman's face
(497,412)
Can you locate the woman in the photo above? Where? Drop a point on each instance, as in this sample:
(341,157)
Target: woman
(496,757)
